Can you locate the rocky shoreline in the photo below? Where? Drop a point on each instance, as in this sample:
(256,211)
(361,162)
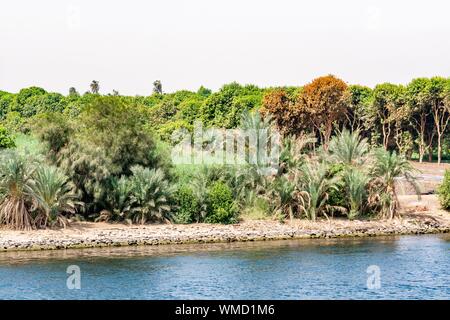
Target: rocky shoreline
(418,218)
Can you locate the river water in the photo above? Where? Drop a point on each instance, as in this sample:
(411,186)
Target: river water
(404,267)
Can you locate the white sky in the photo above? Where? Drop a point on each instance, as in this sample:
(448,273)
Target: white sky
(126,45)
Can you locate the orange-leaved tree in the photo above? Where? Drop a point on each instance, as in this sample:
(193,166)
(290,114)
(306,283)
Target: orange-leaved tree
(325,100)
(280,105)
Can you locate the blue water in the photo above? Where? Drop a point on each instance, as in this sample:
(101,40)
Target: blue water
(411,267)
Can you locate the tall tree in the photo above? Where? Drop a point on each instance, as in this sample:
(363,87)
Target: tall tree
(387,98)
(439,91)
(157,87)
(325,100)
(358,117)
(419,103)
(281,107)
(73,92)
(95,86)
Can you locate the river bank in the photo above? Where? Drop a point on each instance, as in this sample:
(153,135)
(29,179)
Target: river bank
(418,217)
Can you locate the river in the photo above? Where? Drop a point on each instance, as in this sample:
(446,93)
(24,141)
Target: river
(404,267)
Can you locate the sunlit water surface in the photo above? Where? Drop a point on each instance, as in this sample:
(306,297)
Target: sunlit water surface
(411,267)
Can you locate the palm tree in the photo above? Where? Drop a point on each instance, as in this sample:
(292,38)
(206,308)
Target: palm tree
(150,196)
(261,129)
(157,87)
(249,182)
(287,201)
(348,148)
(117,200)
(313,179)
(355,182)
(16,192)
(254,120)
(55,195)
(95,86)
(292,156)
(387,168)
(73,92)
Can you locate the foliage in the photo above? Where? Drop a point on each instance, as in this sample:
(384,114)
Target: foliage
(187,206)
(6,141)
(287,201)
(55,197)
(386,169)
(225,107)
(444,191)
(355,182)
(348,148)
(151,195)
(325,101)
(221,206)
(109,139)
(280,106)
(315,182)
(117,201)
(16,191)
(95,86)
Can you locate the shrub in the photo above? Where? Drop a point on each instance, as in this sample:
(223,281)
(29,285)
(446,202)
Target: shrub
(54,195)
(6,141)
(314,180)
(348,148)
(355,185)
(337,195)
(53,129)
(107,140)
(188,206)
(117,201)
(221,207)
(386,168)
(151,195)
(444,191)
(16,193)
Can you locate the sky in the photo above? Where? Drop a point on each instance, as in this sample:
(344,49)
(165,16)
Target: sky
(126,45)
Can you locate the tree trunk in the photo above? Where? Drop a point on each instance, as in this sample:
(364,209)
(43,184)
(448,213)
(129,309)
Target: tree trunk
(421,152)
(439,150)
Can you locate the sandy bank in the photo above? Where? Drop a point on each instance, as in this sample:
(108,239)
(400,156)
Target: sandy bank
(418,218)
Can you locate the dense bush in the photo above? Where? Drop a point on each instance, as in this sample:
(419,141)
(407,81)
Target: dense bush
(151,195)
(6,141)
(104,142)
(33,195)
(188,209)
(221,206)
(444,191)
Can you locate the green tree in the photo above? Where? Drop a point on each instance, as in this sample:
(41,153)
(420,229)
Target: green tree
(358,115)
(439,92)
(386,99)
(419,102)
(73,92)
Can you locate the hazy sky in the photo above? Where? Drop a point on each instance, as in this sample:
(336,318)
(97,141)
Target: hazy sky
(126,45)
